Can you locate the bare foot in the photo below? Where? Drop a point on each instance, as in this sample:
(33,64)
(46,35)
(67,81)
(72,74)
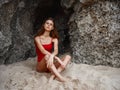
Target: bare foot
(51,78)
(64,79)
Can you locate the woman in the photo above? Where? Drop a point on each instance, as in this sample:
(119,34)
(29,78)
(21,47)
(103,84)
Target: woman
(45,40)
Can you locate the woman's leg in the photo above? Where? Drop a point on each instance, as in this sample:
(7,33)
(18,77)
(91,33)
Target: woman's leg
(65,60)
(42,66)
(54,70)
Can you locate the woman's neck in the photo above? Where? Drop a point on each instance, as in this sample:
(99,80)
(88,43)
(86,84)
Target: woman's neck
(46,34)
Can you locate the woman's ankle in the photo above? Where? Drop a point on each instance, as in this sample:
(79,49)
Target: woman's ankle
(63,79)
(52,76)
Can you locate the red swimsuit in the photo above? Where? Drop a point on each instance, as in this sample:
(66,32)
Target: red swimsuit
(47,47)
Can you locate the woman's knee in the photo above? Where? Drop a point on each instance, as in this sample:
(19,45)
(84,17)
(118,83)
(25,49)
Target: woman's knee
(68,57)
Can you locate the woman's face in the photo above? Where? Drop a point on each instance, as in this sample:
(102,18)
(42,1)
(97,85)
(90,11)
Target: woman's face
(49,25)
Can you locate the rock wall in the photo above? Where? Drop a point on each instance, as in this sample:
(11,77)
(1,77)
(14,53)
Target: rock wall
(20,21)
(16,39)
(95,31)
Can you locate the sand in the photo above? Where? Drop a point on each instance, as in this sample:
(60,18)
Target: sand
(23,76)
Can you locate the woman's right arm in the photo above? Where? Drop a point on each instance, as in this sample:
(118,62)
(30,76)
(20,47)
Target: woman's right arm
(41,48)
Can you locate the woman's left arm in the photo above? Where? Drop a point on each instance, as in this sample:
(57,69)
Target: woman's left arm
(55,52)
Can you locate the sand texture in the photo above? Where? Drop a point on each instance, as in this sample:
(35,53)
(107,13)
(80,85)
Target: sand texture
(23,76)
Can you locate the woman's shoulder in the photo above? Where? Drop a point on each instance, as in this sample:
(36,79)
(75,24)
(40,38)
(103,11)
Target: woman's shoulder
(54,40)
(38,37)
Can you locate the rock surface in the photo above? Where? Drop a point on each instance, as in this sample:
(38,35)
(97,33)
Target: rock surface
(95,32)
(16,41)
(20,21)
(94,29)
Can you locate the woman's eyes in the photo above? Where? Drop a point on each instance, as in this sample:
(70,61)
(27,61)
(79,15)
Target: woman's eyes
(49,23)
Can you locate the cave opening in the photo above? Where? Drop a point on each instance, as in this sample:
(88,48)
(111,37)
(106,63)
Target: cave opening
(44,10)
(53,9)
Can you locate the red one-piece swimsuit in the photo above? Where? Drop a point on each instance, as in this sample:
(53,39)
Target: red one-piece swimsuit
(47,47)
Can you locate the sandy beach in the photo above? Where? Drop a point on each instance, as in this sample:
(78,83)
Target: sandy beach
(23,76)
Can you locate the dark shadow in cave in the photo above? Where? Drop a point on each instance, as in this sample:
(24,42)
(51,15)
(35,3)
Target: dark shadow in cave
(47,9)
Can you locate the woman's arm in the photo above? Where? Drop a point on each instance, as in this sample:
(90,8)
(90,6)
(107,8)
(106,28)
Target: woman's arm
(39,45)
(60,61)
(55,52)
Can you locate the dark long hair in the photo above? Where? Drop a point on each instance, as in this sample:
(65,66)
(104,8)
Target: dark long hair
(53,33)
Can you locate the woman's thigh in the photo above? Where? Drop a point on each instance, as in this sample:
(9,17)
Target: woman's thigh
(42,66)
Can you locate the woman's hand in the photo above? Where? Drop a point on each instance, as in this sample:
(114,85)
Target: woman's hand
(60,61)
(50,61)
(62,65)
